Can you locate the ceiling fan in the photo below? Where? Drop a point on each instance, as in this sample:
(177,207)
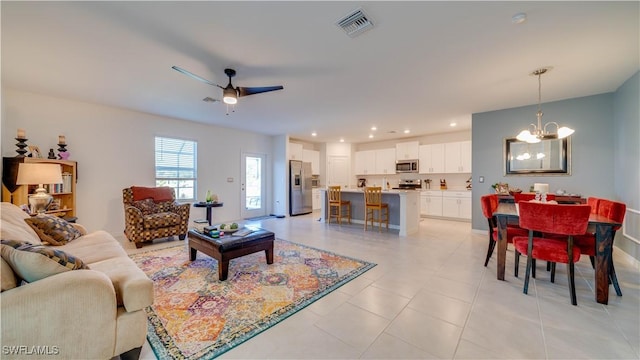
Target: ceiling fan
(230,94)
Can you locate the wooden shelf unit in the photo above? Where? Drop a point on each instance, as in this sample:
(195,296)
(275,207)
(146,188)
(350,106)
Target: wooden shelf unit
(20,195)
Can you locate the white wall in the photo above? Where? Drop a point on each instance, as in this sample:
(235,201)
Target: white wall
(114,149)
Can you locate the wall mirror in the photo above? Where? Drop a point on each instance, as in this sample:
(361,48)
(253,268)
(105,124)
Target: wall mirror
(548,157)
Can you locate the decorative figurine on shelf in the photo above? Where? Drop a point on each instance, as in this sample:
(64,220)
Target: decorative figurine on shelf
(22,143)
(63,154)
(52,155)
(443,184)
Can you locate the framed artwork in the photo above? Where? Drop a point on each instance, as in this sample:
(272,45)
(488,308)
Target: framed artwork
(501,188)
(35,151)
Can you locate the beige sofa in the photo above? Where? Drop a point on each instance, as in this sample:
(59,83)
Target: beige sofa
(94,313)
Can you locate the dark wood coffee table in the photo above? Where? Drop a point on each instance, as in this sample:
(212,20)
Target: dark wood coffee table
(230,247)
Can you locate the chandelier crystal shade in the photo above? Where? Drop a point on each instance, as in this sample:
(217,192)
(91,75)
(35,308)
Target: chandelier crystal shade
(535,134)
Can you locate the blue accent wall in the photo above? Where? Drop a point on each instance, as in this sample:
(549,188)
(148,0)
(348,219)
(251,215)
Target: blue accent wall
(626,111)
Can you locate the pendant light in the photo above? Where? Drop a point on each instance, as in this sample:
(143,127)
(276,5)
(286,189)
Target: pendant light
(537,133)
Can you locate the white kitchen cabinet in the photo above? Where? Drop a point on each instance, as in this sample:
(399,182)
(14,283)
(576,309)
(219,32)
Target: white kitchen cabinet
(431,203)
(313,157)
(385,161)
(375,162)
(365,162)
(457,157)
(295,151)
(315,199)
(409,150)
(431,159)
(456,204)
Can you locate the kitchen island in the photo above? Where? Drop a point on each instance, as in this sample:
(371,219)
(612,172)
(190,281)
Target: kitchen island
(404,208)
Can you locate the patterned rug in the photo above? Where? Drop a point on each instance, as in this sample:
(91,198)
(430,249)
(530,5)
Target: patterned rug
(196,316)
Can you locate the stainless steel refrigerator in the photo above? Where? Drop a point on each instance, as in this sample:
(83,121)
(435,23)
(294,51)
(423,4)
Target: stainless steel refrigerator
(300,195)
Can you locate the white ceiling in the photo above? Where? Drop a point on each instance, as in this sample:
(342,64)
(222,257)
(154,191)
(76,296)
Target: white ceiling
(423,65)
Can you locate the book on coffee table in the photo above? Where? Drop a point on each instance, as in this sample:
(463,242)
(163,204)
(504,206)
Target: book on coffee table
(243,232)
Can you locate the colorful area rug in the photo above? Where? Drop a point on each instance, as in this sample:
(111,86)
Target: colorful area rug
(196,316)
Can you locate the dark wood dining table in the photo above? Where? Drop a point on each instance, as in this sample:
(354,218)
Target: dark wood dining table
(506,213)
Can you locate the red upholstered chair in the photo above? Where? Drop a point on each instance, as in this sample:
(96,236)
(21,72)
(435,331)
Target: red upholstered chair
(587,243)
(517,197)
(152,213)
(489,206)
(567,220)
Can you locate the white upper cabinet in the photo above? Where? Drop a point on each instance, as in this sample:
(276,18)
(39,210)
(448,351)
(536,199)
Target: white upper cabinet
(386,161)
(375,162)
(431,159)
(295,151)
(458,157)
(365,162)
(407,150)
(313,157)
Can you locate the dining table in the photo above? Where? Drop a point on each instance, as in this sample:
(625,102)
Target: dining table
(506,213)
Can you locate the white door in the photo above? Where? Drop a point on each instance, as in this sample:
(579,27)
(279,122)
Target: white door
(253,186)
(338,170)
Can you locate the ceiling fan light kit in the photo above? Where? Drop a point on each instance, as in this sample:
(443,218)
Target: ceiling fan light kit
(230,94)
(535,134)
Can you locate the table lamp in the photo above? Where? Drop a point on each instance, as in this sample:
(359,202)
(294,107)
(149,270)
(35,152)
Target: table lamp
(39,174)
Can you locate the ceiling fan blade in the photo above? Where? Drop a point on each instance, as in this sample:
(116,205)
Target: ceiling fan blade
(194,76)
(245,91)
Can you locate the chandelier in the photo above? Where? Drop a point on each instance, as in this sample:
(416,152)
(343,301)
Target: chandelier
(534,133)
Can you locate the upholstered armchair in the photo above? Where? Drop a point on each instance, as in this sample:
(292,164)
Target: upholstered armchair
(152,213)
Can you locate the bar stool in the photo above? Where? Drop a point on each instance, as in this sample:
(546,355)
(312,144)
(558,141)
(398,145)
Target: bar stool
(373,202)
(336,202)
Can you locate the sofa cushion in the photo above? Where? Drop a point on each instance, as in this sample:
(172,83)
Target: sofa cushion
(146,206)
(158,194)
(95,246)
(52,229)
(13,225)
(34,262)
(159,220)
(8,280)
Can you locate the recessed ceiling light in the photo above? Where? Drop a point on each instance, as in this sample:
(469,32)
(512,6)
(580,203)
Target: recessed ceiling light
(341,140)
(314,134)
(373,128)
(370,136)
(407,131)
(519,18)
(453,124)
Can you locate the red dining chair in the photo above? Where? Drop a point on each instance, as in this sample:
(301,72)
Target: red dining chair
(587,243)
(518,197)
(567,220)
(489,206)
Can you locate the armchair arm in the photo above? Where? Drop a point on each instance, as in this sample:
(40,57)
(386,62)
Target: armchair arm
(133,220)
(79,304)
(183,210)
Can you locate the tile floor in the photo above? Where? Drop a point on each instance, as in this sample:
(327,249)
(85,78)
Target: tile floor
(431,297)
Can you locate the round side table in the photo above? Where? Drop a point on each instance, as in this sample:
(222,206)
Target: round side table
(209,206)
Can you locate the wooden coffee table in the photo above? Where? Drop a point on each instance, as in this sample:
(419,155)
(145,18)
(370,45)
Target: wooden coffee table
(230,247)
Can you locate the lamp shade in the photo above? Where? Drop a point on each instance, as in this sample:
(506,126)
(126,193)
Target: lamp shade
(39,173)
(229,96)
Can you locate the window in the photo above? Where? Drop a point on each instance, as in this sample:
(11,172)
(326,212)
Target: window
(176,166)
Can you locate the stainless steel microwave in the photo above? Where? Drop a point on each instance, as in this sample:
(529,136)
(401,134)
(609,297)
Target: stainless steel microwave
(406,166)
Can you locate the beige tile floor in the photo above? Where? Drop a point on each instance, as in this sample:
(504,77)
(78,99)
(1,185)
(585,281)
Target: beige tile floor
(431,297)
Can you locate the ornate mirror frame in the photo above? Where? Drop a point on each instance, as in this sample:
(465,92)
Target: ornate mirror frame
(548,157)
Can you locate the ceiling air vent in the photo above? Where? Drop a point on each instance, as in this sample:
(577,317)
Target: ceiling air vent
(355,23)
